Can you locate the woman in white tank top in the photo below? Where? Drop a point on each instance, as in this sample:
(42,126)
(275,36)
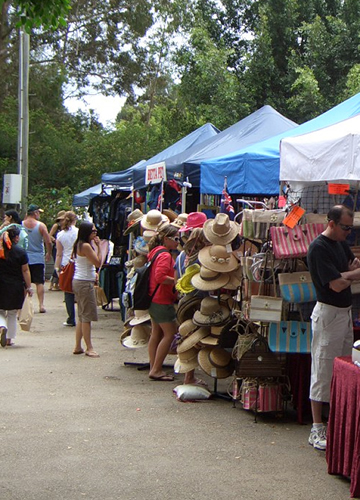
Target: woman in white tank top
(86,261)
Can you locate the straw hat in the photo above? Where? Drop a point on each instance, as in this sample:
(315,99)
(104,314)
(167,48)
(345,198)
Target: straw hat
(170,214)
(187,307)
(153,219)
(140,246)
(140,316)
(139,337)
(235,279)
(221,230)
(60,215)
(211,313)
(186,361)
(216,362)
(195,219)
(180,220)
(207,280)
(217,258)
(184,284)
(186,328)
(214,337)
(147,235)
(124,334)
(192,339)
(133,220)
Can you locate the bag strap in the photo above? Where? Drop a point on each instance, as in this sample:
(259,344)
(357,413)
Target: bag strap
(150,264)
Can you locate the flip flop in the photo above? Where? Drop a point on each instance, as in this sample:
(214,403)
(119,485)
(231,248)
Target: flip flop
(42,310)
(92,354)
(162,378)
(79,352)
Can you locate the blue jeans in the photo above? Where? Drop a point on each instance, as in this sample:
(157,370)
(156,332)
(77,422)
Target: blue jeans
(70,307)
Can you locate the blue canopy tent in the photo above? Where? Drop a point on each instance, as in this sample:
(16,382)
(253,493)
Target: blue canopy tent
(123,178)
(256,169)
(194,138)
(83,199)
(260,125)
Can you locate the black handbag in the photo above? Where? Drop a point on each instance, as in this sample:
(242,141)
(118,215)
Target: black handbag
(258,361)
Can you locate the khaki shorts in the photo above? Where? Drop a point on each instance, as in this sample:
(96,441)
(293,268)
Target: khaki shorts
(333,336)
(86,300)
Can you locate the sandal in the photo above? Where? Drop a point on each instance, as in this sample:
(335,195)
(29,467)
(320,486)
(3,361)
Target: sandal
(92,354)
(81,351)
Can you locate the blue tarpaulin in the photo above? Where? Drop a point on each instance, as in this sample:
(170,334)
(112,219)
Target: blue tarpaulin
(260,125)
(83,199)
(255,169)
(123,178)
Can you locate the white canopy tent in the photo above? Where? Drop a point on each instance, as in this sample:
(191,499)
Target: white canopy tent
(330,154)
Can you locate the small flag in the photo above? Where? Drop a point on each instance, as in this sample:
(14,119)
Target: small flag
(226,203)
(160,197)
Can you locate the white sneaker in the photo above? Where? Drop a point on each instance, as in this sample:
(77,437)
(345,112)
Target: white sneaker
(317,438)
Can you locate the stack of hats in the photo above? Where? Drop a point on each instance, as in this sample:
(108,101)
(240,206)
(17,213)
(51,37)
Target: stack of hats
(133,221)
(218,262)
(137,330)
(187,350)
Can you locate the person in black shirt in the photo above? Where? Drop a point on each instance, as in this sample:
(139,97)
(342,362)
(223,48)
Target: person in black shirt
(332,266)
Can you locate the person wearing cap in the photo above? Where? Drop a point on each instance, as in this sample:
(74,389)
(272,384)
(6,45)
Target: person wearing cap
(38,237)
(56,228)
(64,248)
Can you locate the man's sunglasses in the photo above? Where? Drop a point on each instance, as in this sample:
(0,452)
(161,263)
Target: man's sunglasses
(345,227)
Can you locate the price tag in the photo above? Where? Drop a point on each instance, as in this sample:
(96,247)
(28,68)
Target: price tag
(294,216)
(338,188)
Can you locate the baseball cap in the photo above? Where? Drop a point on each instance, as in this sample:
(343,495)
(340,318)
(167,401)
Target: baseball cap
(33,208)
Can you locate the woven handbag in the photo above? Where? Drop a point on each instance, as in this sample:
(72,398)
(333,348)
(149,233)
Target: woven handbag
(297,287)
(258,361)
(294,242)
(66,276)
(263,220)
(290,336)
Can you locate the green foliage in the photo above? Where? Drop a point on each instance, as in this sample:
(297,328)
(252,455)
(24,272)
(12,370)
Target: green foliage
(47,13)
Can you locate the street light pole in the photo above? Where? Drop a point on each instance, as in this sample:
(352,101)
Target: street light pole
(23,125)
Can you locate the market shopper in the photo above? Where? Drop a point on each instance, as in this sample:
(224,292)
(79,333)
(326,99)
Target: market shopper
(12,218)
(64,247)
(14,281)
(53,233)
(86,261)
(162,310)
(38,236)
(332,266)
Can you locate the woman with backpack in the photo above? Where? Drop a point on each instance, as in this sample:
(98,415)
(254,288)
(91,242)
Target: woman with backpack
(162,310)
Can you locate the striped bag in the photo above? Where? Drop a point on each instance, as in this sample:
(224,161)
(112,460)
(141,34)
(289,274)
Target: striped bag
(297,288)
(294,242)
(290,336)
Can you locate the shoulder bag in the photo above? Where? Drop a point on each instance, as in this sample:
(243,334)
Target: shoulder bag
(66,276)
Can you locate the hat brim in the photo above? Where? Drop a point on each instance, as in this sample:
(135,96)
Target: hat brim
(209,369)
(206,286)
(133,227)
(170,214)
(224,267)
(133,344)
(203,320)
(153,227)
(186,366)
(192,339)
(137,321)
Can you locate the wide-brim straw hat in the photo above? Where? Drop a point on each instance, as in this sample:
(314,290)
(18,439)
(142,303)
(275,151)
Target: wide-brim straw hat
(147,235)
(153,219)
(139,337)
(180,220)
(207,280)
(221,230)
(186,361)
(126,332)
(60,215)
(184,284)
(140,316)
(186,328)
(235,279)
(211,313)
(170,214)
(192,339)
(133,220)
(215,362)
(187,308)
(217,258)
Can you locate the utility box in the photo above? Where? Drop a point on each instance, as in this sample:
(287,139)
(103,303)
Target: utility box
(12,189)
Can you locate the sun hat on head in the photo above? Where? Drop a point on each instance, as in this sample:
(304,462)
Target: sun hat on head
(133,221)
(186,361)
(60,215)
(193,338)
(221,230)
(217,258)
(140,316)
(34,208)
(180,220)
(184,284)
(195,219)
(139,337)
(170,214)
(153,219)
(207,279)
(211,313)
(216,362)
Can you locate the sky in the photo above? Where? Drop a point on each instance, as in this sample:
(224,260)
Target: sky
(105,107)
